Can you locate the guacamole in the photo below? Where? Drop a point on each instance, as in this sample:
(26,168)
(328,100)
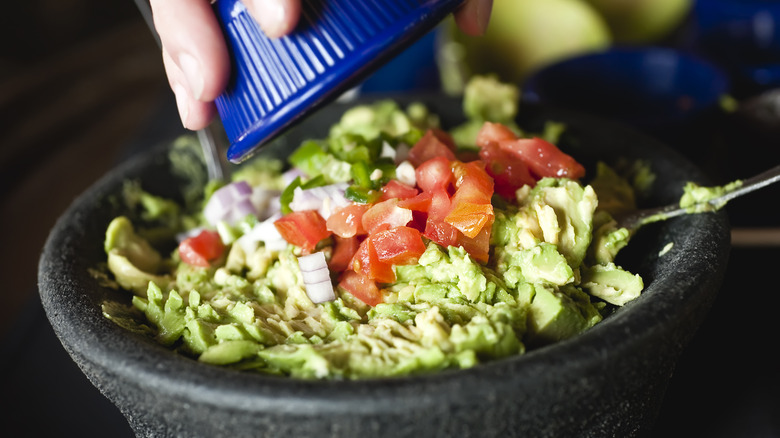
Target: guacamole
(390,247)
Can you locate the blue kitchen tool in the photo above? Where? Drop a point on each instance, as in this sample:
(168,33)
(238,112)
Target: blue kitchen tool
(337,43)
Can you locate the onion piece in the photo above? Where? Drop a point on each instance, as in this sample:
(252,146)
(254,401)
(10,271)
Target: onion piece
(265,232)
(324,199)
(228,203)
(316,277)
(405,173)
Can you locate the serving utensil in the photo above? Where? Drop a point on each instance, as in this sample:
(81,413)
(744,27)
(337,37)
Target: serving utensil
(636,219)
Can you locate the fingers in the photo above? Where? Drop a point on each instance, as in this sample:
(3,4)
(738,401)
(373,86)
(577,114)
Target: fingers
(195,114)
(473,16)
(276,17)
(194,55)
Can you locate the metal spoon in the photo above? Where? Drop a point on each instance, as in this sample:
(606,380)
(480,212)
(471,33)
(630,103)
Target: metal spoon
(636,219)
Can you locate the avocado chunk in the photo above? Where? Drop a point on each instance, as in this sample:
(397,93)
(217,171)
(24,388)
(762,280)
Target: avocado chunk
(555,315)
(612,283)
(132,259)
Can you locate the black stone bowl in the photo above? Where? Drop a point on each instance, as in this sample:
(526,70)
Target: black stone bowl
(608,381)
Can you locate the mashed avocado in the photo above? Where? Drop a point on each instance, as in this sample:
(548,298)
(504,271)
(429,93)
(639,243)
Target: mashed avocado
(483,280)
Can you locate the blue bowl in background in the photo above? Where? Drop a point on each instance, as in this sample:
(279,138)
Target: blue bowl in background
(665,92)
(744,37)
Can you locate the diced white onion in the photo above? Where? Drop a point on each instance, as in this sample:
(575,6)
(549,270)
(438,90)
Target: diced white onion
(376,174)
(404,172)
(312,262)
(265,232)
(316,277)
(387,151)
(320,292)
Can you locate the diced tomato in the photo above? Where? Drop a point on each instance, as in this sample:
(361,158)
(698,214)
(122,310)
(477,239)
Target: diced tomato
(434,174)
(441,232)
(421,202)
(397,189)
(343,251)
(202,249)
(361,287)
(430,146)
(493,133)
(398,246)
(470,218)
(479,246)
(347,221)
(385,215)
(435,228)
(440,205)
(303,228)
(473,184)
(543,158)
(366,262)
(509,172)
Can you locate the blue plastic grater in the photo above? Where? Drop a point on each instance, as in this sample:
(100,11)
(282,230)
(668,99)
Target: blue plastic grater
(336,44)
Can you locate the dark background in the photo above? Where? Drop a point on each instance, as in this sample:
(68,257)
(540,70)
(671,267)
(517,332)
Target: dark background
(81,83)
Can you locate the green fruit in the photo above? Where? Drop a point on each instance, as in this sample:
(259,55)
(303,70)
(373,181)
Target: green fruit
(642,21)
(524,35)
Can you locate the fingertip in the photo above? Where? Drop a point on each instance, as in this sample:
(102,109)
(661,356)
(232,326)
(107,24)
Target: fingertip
(277,18)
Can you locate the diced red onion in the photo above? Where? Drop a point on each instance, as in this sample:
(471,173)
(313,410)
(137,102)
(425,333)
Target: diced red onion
(263,200)
(324,199)
(290,175)
(228,203)
(316,277)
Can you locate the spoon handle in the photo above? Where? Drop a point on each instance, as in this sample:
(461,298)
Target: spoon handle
(638,218)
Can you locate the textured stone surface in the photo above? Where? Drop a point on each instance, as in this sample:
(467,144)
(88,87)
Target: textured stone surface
(609,381)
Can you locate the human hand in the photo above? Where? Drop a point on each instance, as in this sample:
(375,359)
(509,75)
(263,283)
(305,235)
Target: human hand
(196,58)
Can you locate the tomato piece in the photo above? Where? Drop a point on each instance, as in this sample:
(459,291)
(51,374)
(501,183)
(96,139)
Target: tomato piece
(470,218)
(201,249)
(493,133)
(472,182)
(421,202)
(432,144)
(398,246)
(441,232)
(303,228)
(366,262)
(477,247)
(347,221)
(385,215)
(344,250)
(361,287)
(397,189)
(543,158)
(434,174)
(509,172)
